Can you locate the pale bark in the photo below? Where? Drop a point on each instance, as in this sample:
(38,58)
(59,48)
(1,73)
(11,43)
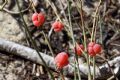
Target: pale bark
(30,54)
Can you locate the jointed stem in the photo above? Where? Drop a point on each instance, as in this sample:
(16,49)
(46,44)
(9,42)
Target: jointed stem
(94,33)
(54,9)
(48,43)
(93,67)
(33,42)
(72,35)
(33,6)
(83,27)
(94,21)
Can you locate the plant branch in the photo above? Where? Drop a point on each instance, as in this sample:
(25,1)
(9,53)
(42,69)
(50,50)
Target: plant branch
(32,41)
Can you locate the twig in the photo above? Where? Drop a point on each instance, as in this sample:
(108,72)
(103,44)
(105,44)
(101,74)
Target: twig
(1,7)
(12,12)
(31,54)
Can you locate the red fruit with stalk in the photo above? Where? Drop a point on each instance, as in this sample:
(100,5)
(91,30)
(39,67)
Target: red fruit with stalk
(57,26)
(94,48)
(79,49)
(61,60)
(38,19)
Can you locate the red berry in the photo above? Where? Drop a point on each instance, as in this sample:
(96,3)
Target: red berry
(61,60)
(57,26)
(97,48)
(38,19)
(79,49)
(91,44)
(36,23)
(94,48)
(91,51)
(34,16)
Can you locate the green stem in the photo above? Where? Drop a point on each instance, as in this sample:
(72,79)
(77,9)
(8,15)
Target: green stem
(101,37)
(46,39)
(88,64)
(94,68)
(32,41)
(94,21)
(93,35)
(83,27)
(75,76)
(61,74)
(48,44)
(72,35)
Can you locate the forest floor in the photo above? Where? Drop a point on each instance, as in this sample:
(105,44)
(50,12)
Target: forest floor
(11,28)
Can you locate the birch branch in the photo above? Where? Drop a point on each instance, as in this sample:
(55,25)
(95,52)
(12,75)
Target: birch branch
(102,72)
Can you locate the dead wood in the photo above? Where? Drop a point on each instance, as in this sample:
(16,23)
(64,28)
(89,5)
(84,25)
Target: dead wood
(102,72)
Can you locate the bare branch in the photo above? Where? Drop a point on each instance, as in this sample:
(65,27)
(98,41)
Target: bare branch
(102,71)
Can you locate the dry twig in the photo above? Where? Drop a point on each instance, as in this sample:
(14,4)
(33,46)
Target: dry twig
(102,72)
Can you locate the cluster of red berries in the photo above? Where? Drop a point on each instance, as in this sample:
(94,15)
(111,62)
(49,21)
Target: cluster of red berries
(38,20)
(61,59)
(93,49)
